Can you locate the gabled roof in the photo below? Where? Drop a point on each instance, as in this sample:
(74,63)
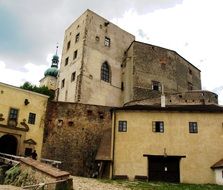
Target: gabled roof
(218,164)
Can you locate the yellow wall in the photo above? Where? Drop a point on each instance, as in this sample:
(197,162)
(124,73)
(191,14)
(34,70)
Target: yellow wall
(201,149)
(13,97)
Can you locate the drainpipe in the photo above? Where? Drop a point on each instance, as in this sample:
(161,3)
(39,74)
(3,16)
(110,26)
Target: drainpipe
(113,141)
(163,98)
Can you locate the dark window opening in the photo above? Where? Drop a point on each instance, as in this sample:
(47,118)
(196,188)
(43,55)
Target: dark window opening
(68,45)
(70,123)
(193,128)
(105,72)
(156,86)
(122,86)
(77,37)
(75,54)
(122,126)
(66,61)
(62,83)
(32,118)
(107,42)
(190,86)
(101,115)
(158,126)
(73,75)
(190,71)
(60,123)
(28,151)
(89,112)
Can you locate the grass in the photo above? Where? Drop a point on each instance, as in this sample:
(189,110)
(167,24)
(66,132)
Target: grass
(138,185)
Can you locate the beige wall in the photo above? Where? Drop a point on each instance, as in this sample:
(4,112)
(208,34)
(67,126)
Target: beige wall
(91,54)
(13,97)
(50,82)
(202,150)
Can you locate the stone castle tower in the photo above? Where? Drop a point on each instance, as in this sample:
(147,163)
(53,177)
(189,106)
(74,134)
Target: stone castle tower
(103,65)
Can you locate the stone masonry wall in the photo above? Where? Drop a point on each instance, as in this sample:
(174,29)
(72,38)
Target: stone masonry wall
(72,135)
(152,63)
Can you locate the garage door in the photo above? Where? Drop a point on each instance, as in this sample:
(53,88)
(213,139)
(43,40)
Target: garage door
(164,168)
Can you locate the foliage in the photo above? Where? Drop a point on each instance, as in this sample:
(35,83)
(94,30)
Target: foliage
(42,90)
(12,174)
(139,185)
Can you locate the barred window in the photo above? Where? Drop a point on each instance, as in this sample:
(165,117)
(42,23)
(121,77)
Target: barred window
(105,72)
(107,42)
(13,114)
(156,86)
(158,126)
(32,118)
(193,128)
(122,126)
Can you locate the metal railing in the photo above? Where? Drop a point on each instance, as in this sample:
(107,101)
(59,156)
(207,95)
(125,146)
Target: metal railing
(55,163)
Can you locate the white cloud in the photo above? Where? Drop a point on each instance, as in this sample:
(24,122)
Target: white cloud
(32,73)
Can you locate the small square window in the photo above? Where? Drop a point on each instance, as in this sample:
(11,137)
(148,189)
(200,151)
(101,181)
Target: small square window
(75,55)
(158,126)
(68,45)
(62,83)
(107,42)
(156,86)
(193,128)
(73,75)
(122,126)
(77,37)
(190,86)
(66,61)
(32,118)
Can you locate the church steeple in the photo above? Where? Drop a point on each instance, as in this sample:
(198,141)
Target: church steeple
(55,59)
(53,70)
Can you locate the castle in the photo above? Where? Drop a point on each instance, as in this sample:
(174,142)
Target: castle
(135,110)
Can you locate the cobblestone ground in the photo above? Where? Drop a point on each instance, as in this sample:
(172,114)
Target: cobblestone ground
(81,183)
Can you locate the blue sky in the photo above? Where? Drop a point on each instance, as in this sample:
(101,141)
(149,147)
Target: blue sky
(29,31)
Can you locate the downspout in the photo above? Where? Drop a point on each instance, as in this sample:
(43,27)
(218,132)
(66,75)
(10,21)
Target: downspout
(113,141)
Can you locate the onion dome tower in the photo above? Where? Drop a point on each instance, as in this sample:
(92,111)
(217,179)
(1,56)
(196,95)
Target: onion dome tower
(50,75)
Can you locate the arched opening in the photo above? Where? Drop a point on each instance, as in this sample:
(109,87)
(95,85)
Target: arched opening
(8,144)
(105,72)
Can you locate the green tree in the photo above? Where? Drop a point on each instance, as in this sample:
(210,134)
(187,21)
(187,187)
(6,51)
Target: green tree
(42,90)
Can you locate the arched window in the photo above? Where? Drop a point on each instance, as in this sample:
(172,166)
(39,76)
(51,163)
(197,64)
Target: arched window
(105,72)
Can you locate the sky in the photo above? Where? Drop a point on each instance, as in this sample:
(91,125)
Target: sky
(30,30)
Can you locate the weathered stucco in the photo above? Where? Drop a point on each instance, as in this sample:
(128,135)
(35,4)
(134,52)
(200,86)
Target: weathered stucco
(201,149)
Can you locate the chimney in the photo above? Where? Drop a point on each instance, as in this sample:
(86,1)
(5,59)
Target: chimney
(163,98)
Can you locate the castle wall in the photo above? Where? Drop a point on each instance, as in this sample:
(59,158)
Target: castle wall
(152,63)
(72,135)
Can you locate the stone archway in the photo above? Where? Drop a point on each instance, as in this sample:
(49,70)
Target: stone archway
(8,144)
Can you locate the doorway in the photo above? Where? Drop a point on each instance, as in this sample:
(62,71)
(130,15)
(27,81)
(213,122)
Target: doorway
(163,168)
(8,144)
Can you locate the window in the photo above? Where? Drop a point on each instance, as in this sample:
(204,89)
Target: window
(32,118)
(73,75)
(156,86)
(75,55)
(105,72)
(77,37)
(28,151)
(62,83)
(190,71)
(107,42)
(13,116)
(122,126)
(122,86)
(190,86)
(193,128)
(68,45)
(158,126)
(66,61)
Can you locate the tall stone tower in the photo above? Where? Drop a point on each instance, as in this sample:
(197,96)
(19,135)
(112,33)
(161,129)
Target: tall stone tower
(90,70)
(50,75)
